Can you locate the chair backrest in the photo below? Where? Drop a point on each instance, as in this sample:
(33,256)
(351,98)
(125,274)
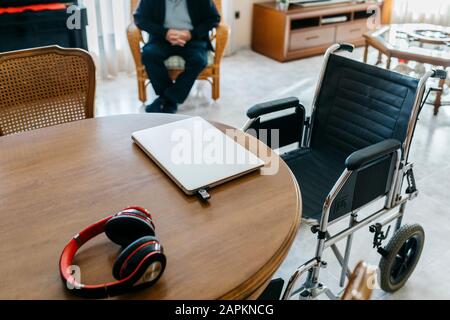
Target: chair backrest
(44,87)
(360,105)
(135,3)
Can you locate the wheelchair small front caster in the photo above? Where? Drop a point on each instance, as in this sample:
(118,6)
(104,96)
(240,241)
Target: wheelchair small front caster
(401,257)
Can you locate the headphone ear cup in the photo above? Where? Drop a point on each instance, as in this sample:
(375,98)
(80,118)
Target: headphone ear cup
(145,253)
(126,229)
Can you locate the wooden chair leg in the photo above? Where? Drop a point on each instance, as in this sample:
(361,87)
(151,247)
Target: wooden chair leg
(216,88)
(142,90)
(366,53)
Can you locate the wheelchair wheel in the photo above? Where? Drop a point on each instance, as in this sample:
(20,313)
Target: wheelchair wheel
(403,253)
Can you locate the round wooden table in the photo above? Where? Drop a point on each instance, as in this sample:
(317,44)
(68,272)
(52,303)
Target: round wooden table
(56,181)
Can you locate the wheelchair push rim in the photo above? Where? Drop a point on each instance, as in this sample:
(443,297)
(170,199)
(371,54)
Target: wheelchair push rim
(403,254)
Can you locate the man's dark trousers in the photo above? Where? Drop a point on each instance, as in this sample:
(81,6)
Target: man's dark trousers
(155,53)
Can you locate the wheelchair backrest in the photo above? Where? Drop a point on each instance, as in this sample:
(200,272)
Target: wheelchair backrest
(360,105)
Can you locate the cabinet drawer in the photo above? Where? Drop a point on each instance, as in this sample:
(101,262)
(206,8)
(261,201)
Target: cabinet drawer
(351,31)
(312,38)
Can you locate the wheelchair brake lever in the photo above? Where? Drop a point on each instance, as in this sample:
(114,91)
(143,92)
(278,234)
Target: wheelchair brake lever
(379,235)
(412,186)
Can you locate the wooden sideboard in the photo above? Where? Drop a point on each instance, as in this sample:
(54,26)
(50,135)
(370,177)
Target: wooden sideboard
(306,31)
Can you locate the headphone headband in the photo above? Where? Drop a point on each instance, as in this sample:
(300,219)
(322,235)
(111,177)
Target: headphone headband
(103,290)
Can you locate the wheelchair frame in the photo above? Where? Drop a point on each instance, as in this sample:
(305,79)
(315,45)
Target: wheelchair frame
(393,210)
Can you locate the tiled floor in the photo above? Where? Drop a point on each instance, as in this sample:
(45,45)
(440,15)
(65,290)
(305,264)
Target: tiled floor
(249,78)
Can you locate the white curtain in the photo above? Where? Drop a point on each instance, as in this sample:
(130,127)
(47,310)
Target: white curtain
(107,40)
(424,11)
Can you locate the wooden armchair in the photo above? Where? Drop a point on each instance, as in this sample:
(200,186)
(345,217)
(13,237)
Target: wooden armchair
(44,87)
(175,65)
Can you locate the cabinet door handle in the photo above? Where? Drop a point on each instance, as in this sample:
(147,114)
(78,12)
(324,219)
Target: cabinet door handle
(355,30)
(312,38)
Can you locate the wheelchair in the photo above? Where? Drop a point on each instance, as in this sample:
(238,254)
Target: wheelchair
(351,152)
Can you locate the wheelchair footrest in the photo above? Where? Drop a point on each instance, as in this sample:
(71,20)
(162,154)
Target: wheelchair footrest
(273,291)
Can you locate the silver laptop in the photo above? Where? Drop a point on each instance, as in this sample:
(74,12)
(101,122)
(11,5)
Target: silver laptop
(195,154)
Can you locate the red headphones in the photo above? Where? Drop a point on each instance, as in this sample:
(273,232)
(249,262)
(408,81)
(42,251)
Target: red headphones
(140,264)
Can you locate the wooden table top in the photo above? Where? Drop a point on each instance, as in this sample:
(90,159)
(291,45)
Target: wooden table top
(56,181)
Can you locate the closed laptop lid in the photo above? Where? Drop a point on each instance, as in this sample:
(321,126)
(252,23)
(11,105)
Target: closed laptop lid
(195,154)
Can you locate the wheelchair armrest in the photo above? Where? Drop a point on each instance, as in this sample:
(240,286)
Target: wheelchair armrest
(346,47)
(273,106)
(364,156)
(286,129)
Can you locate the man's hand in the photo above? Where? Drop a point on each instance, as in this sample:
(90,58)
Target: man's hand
(173,36)
(186,35)
(178,37)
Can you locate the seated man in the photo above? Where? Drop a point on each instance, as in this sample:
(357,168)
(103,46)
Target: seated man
(176,28)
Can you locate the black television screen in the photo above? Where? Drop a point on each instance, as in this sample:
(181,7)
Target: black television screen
(19,3)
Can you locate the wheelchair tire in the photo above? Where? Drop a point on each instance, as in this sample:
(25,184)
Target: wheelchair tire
(403,253)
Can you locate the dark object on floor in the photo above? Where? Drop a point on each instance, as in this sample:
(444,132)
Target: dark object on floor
(273,290)
(30,29)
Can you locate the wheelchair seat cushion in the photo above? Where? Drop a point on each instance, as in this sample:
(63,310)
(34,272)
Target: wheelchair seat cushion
(316,172)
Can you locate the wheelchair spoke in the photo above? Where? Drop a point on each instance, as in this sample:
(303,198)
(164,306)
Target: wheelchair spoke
(404,259)
(409,245)
(397,268)
(404,250)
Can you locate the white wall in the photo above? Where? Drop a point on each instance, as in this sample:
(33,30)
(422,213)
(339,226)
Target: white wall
(242,28)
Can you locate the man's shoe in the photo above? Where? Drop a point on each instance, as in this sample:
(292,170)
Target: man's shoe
(155,106)
(170,107)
